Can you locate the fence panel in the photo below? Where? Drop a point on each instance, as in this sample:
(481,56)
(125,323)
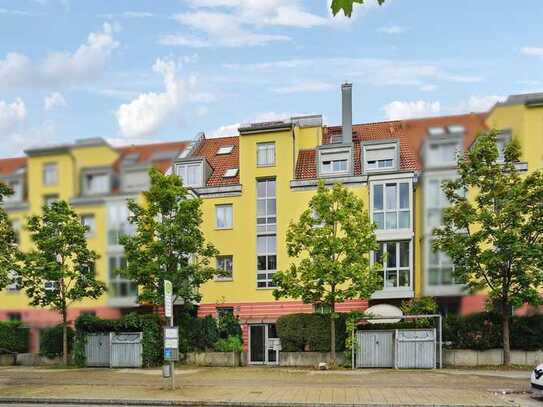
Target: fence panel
(126,349)
(375,349)
(416,349)
(97,350)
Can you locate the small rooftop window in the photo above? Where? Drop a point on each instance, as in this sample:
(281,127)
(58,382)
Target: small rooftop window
(164,155)
(225,150)
(131,158)
(456,128)
(436,131)
(230,173)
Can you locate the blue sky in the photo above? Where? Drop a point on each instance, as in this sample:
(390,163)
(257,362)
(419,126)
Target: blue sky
(136,71)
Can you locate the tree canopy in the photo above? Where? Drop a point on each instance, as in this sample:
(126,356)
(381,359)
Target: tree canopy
(168,243)
(347,6)
(60,270)
(8,243)
(493,231)
(331,244)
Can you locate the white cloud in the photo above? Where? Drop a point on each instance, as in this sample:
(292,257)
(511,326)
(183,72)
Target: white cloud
(373,71)
(392,29)
(532,51)
(54,100)
(232,129)
(149,111)
(225,131)
(220,29)
(60,68)
(304,87)
(137,14)
(11,116)
(398,110)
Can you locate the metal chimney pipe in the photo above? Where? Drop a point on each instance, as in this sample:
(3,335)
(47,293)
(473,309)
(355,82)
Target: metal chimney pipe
(347,112)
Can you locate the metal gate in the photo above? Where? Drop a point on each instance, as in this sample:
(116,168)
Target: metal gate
(97,350)
(126,349)
(375,349)
(416,349)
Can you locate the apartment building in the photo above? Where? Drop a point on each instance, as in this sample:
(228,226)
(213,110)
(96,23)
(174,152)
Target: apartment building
(97,180)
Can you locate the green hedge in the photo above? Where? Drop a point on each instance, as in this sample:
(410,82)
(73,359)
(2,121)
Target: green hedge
(51,341)
(310,332)
(484,331)
(14,337)
(150,324)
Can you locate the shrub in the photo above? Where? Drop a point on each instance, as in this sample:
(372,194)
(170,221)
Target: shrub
(311,332)
(228,325)
(14,337)
(419,306)
(51,341)
(230,344)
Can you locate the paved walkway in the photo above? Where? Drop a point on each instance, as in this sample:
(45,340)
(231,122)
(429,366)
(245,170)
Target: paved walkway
(269,386)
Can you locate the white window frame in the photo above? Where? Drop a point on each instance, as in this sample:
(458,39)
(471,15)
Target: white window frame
(14,286)
(92,225)
(117,222)
(375,167)
(116,279)
(430,159)
(268,154)
(87,180)
(266,226)
(182,170)
(503,139)
(397,209)
(224,150)
(333,157)
(50,174)
(227,207)
(18,191)
(230,173)
(398,268)
(222,258)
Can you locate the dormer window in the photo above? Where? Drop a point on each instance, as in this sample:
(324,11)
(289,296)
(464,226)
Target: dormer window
(17,188)
(225,150)
(335,162)
(436,131)
(443,152)
(380,157)
(456,128)
(191,173)
(230,173)
(502,139)
(96,183)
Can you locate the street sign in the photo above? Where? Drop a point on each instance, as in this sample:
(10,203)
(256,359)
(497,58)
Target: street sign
(171,344)
(171,333)
(171,354)
(168,292)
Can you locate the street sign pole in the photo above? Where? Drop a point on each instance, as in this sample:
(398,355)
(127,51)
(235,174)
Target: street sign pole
(168,312)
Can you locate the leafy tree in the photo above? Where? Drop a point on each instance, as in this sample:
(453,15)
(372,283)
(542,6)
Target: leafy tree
(8,242)
(495,239)
(333,237)
(347,6)
(60,270)
(168,243)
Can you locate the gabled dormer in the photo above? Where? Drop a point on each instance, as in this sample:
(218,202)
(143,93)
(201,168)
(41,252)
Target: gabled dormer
(194,171)
(443,146)
(380,156)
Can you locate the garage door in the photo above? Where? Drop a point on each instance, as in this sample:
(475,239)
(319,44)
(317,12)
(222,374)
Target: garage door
(375,349)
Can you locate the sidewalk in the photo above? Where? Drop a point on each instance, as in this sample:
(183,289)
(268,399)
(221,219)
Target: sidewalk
(264,387)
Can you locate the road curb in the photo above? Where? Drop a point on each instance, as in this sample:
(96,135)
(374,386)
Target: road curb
(195,403)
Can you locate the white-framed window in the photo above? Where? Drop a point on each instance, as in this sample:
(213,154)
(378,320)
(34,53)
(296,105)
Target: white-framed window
(436,201)
(266,260)
(266,241)
(265,154)
(391,205)
(96,183)
(266,206)
(119,286)
(135,181)
(335,162)
(230,173)
(117,222)
(225,150)
(191,174)
(17,187)
(14,284)
(225,266)
(395,259)
(49,199)
(502,139)
(50,174)
(379,157)
(440,268)
(442,153)
(223,216)
(89,221)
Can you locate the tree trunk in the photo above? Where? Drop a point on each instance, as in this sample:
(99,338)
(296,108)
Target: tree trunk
(505,335)
(64,338)
(333,334)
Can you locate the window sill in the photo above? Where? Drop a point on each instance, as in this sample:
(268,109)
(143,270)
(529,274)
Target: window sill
(223,280)
(266,288)
(265,165)
(231,228)
(389,293)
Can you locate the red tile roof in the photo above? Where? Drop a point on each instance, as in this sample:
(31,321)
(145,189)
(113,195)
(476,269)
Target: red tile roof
(145,153)
(220,163)
(9,165)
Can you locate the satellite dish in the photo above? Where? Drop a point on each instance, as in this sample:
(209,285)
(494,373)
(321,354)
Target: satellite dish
(384,310)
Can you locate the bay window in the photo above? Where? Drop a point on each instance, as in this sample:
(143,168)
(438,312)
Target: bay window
(395,261)
(391,205)
(266,240)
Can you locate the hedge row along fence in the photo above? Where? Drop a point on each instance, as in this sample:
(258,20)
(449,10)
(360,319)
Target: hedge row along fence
(14,337)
